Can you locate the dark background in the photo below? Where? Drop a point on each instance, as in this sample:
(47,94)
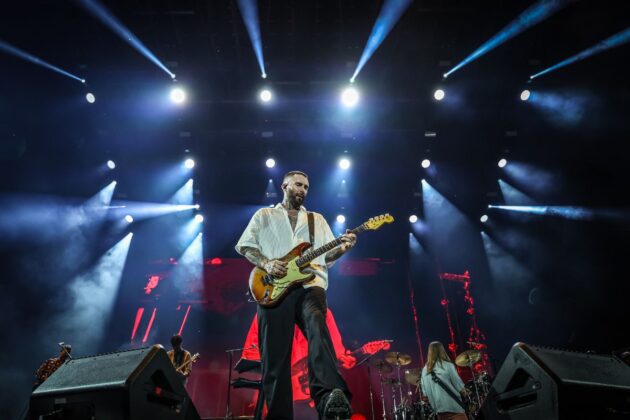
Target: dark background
(548,280)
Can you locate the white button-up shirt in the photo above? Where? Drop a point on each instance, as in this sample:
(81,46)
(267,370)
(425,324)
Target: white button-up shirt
(270,232)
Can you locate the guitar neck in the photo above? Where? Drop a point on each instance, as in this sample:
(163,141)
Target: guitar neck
(311,255)
(192,360)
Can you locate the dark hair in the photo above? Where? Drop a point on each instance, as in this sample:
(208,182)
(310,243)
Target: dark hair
(291,173)
(176,340)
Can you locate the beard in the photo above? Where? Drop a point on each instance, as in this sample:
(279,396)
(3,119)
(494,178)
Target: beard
(296,200)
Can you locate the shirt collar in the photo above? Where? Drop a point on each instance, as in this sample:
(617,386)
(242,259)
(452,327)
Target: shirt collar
(280,206)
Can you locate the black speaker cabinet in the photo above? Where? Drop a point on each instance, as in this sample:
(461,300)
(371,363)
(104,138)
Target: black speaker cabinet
(133,384)
(539,383)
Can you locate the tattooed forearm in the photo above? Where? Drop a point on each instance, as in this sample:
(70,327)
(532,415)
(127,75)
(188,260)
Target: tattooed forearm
(254,256)
(334,255)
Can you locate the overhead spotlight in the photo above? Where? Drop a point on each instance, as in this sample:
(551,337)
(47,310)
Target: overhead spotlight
(439,94)
(189,163)
(352,80)
(425,163)
(197,206)
(344,163)
(265,95)
(349,97)
(178,95)
(525,95)
(198,218)
(111,164)
(413,218)
(270,163)
(129,218)
(502,162)
(264,75)
(483,218)
(341,218)
(90,98)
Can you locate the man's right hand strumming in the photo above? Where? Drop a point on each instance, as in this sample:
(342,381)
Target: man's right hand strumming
(276,268)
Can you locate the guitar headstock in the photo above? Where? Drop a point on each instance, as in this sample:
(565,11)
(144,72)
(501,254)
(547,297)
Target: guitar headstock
(374,347)
(376,222)
(195,357)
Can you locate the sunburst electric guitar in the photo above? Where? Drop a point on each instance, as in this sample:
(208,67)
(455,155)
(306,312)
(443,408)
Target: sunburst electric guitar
(268,290)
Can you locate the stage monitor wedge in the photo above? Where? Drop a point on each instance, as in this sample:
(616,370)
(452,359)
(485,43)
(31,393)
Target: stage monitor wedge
(550,384)
(132,384)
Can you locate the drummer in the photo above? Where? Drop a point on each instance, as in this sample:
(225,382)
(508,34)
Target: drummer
(442,385)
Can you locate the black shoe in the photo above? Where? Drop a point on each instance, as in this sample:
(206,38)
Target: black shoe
(337,406)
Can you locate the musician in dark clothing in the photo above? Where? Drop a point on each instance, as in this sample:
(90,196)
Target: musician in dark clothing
(180,358)
(270,234)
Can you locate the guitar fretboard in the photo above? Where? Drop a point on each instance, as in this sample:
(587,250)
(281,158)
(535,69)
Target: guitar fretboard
(311,255)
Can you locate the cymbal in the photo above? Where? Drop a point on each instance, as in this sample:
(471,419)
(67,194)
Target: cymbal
(381,365)
(396,358)
(412,376)
(468,357)
(390,381)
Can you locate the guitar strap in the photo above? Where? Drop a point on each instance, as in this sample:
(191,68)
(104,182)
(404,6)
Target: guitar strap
(311,228)
(449,391)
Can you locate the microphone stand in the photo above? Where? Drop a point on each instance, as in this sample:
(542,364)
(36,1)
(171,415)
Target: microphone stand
(230,352)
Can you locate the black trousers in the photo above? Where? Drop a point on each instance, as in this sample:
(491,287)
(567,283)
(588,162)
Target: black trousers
(306,308)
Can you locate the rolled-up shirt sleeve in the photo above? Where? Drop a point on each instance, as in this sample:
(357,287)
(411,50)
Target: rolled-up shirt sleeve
(249,238)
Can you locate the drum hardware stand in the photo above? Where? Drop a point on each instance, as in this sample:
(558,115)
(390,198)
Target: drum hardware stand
(400,391)
(370,385)
(472,371)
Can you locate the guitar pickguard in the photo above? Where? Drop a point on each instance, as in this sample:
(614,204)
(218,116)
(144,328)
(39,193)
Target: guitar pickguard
(293,277)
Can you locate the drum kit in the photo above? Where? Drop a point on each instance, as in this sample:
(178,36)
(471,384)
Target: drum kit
(479,386)
(403,384)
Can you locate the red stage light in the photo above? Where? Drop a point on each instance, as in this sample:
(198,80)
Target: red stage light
(152,284)
(137,322)
(216,261)
(146,334)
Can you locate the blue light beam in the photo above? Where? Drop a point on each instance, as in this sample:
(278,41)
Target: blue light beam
(513,196)
(611,42)
(530,17)
(188,273)
(29,57)
(101,13)
(562,108)
(141,210)
(249,12)
(184,195)
(567,212)
(91,298)
(388,16)
(570,212)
